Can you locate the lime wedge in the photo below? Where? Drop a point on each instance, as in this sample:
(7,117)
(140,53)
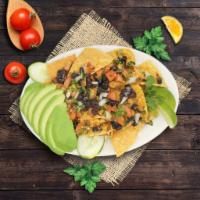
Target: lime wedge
(168,114)
(167,96)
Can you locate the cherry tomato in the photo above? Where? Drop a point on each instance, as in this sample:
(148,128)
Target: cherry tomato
(29,39)
(15,72)
(21,19)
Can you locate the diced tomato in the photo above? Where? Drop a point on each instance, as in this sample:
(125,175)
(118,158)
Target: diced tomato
(111,108)
(99,73)
(112,95)
(115,84)
(120,120)
(72,115)
(67,82)
(73,94)
(89,68)
(119,78)
(111,75)
(78,127)
(128,110)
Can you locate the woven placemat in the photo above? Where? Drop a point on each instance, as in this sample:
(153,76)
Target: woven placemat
(90,29)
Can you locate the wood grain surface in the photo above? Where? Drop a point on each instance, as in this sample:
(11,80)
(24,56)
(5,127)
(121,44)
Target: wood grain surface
(170,167)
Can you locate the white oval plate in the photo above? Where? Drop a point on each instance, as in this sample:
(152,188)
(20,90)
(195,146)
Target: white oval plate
(148,133)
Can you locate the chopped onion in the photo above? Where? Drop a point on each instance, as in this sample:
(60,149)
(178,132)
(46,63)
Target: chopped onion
(108,115)
(76,95)
(68,94)
(147,74)
(123,100)
(94,83)
(132,80)
(78,78)
(137,117)
(102,102)
(102,95)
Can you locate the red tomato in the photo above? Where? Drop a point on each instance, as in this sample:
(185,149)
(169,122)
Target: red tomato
(15,72)
(29,39)
(21,19)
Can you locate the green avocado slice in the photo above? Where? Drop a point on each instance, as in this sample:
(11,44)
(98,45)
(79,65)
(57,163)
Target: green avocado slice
(62,135)
(167,96)
(29,98)
(40,108)
(37,98)
(49,107)
(26,93)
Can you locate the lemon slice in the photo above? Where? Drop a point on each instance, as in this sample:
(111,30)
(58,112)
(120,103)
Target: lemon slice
(174,27)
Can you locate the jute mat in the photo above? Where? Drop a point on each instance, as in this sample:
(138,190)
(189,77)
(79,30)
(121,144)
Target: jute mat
(90,29)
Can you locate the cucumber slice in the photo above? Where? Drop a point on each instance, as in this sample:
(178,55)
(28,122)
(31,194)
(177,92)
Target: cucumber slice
(38,72)
(89,147)
(168,114)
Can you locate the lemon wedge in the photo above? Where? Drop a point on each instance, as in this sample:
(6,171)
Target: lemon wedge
(174,27)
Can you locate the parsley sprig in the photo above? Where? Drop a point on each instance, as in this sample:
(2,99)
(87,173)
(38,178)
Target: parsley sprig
(88,175)
(152,42)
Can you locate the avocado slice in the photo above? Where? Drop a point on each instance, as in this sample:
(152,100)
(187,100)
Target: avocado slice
(58,99)
(26,93)
(37,98)
(49,139)
(39,108)
(165,94)
(62,135)
(29,98)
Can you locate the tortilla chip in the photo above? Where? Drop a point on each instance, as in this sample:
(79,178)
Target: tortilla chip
(123,139)
(53,67)
(95,57)
(122,52)
(140,98)
(149,67)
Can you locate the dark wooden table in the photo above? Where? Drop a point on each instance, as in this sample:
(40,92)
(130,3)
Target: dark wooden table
(169,169)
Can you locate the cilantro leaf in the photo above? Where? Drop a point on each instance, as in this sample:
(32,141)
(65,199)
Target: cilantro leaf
(152,42)
(88,175)
(150,81)
(120,112)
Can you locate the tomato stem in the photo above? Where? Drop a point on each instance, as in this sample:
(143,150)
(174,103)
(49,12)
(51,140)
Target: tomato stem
(15,73)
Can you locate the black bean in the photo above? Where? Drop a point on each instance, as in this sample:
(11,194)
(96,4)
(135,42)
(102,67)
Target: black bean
(95,106)
(134,123)
(132,120)
(82,71)
(127,92)
(112,102)
(134,107)
(114,67)
(74,75)
(159,80)
(89,82)
(123,59)
(104,82)
(75,123)
(116,125)
(80,97)
(97,128)
(61,75)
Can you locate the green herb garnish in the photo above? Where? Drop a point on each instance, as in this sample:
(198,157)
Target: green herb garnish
(152,42)
(87,175)
(150,93)
(120,111)
(130,64)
